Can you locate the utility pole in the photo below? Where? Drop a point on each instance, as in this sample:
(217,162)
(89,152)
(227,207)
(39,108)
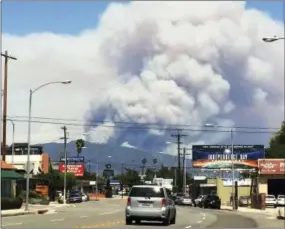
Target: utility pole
(65,162)
(7,57)
(184,169)
(122,184)
(179,136)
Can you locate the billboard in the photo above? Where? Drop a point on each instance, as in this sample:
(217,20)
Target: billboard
(220,156)
(72,159)
(76,169)
(271,166)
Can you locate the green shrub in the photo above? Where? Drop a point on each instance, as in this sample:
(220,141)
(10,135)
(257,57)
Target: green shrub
(11,203)
(44,202)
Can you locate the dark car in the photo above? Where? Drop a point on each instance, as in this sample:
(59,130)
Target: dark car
(210,201)
(178,198)
(75,198)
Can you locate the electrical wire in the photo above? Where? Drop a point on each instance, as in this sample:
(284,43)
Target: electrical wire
(137,123)
(133,127)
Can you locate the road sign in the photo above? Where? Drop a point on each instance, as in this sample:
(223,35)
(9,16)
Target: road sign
(29,166)
(108,173)
(72,159)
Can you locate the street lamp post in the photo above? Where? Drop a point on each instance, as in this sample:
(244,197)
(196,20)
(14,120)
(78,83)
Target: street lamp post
(29,135)
(272,39)
(232,161)
(13,138)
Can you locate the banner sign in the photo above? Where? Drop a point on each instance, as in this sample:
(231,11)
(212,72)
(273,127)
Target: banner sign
(271,166)
(77,169)
(220,156)
(243,182)
(72,159)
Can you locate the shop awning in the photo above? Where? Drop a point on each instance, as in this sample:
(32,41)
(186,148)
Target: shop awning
(10,175)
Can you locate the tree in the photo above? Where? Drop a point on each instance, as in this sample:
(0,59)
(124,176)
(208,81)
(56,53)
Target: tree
(80,143)
(277,144)
(130,177)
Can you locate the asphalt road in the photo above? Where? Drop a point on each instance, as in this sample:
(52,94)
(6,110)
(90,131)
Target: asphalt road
(110,214)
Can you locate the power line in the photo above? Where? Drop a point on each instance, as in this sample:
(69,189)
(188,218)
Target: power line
(137,123)
(167,128)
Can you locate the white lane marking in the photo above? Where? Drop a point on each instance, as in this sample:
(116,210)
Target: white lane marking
(11,224)
(204,216)
(55,220)
(199,222)
(108,213)
(188,226)
(83,216)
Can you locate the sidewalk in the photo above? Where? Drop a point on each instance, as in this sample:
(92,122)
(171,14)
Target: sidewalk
(247,209)
(35,209)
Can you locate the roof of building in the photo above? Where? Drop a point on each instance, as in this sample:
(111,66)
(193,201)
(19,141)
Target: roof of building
(5,165)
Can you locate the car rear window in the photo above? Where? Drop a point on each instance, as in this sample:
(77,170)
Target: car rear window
(147,191)
(213,197)
(270,197)
(281,196)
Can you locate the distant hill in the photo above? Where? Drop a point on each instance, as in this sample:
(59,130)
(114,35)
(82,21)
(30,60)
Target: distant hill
(110,154)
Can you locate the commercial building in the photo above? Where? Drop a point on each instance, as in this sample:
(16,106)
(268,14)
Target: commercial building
(9,178)
(39,160)
(271,176)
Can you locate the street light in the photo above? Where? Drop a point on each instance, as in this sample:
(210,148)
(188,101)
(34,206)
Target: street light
(29,135)
(272,39)
(232,160)
(13,137)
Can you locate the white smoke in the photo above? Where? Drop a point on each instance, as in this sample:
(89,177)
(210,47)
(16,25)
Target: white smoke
(171,63)
(190,62)
(126,144)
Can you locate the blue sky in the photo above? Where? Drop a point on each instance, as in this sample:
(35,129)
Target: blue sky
(26,17)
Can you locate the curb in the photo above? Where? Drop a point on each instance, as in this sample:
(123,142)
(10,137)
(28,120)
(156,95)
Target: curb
(38,212)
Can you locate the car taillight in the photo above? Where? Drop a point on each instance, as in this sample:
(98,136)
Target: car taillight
(163,202)
(129,200)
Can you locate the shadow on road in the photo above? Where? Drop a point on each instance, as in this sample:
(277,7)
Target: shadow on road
(147,223)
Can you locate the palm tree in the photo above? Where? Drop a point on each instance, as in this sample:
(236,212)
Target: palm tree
(80,144)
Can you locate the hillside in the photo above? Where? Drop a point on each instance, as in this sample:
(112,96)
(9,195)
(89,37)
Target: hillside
(113,154)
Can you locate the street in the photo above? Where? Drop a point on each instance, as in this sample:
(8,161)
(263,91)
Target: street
(110,214)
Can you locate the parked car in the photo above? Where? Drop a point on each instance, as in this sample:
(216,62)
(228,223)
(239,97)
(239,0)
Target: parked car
(150,202)
(270,201)
(186,200)
(280,202)
(74,198)
(84,197)
(210,201)
(197,201)
(178,198)
(244,201)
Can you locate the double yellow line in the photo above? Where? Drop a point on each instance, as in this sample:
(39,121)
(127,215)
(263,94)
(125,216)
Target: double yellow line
(106,224)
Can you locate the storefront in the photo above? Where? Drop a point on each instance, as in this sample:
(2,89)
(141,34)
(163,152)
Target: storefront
(9,178)
(271,176)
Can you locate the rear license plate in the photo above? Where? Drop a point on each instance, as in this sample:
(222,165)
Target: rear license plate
(146,205)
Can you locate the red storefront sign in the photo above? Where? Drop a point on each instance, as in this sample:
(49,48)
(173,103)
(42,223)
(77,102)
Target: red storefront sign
(271,166)
(76,169)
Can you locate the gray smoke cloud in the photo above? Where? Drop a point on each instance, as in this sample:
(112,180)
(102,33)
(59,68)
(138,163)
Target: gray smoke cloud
(188,63)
